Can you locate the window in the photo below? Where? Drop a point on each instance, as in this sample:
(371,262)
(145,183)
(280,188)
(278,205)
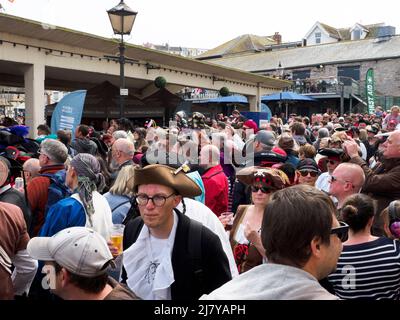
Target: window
(356,34)
(301,74)
(348,72)
(318,37)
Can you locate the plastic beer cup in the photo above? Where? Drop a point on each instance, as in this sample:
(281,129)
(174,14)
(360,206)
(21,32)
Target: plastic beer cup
(117,233)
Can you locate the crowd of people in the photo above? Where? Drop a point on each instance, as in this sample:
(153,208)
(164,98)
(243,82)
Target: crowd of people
(300,208)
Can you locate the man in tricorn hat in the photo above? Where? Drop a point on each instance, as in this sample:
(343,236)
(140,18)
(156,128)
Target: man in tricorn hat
(168,256)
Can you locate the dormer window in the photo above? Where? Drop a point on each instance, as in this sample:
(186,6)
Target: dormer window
(356,34)
(318,37)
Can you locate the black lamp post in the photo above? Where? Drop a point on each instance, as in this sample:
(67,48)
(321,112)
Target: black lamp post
(122,18)
(280,72)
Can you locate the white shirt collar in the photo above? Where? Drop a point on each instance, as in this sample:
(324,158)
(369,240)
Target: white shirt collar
(147,279)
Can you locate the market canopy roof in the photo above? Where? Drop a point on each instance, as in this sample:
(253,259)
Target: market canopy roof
(285,96)
(229,99)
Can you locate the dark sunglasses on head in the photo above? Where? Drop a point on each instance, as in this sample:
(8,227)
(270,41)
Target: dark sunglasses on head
(263,189)
(342,232)
(305,173)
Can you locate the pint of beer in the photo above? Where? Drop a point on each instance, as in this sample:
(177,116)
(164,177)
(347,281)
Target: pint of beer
(117,233)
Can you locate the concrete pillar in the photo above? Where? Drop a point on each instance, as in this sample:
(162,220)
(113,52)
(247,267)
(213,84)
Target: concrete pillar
(252,103)
(255,101)
(34,97)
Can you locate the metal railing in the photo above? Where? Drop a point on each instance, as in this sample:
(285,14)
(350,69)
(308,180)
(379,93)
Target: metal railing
(328,85)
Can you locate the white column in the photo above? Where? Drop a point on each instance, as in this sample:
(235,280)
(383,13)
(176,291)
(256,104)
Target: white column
(34,97)
(252,103)
(258,97)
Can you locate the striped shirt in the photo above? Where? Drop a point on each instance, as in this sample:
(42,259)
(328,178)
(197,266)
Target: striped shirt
(369,270)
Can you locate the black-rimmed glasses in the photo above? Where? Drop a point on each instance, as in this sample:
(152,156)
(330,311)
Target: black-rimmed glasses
(158,200)
(342,232)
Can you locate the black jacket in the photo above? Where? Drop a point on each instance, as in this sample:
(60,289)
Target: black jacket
(214,262)
(17,198)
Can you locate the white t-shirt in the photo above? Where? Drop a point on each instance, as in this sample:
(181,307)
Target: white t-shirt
(322,182)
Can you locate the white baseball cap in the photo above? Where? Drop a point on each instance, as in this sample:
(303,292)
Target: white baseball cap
(80,250)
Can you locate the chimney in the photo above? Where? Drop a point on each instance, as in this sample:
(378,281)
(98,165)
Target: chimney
(277,37)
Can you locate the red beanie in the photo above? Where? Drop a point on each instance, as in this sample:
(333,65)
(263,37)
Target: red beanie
(251,125)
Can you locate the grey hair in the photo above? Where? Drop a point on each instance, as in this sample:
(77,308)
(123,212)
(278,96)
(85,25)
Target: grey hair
(120,134)
(323,133)
(125,146)
(32,165)
(55,150)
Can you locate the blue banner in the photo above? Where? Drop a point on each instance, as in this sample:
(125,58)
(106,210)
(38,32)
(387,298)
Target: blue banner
(68,113)
(258,117)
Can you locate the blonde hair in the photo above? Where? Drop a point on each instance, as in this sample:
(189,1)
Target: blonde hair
(363,134)
(120,186)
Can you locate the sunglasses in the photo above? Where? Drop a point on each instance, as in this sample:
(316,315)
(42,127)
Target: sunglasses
(342,232)
(305,173)
(333,179)
(263,189)
(332,162)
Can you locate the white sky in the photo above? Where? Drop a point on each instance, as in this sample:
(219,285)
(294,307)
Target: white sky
(207,23)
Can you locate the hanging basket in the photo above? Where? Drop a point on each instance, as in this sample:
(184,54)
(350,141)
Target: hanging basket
(224,92)
(160,82)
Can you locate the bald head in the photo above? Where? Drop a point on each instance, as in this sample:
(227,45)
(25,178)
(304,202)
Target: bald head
(31,168)
(347,179)
(351,172)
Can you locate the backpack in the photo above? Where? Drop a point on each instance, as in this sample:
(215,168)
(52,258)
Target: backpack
(57,189)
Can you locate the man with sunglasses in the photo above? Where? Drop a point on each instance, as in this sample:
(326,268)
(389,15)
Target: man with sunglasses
(168,256)
(302,240)
(346,179)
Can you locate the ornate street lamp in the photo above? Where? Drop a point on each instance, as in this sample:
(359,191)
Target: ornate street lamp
(122,18)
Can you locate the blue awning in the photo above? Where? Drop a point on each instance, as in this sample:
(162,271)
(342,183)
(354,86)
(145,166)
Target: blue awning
(286,95)
(229,99)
